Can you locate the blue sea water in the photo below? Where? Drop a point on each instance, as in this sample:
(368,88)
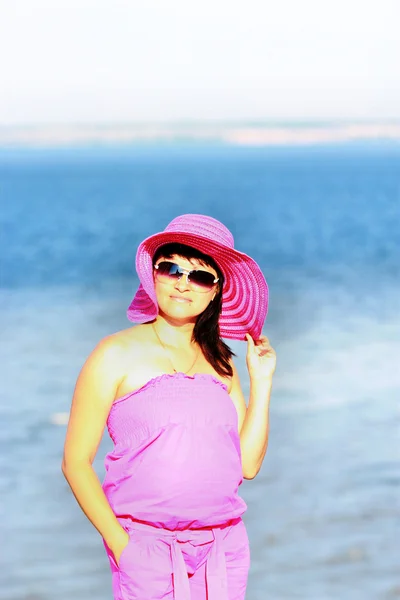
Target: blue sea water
(324,225)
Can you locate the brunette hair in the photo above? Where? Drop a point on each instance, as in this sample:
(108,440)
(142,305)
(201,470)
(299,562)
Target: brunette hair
(206,330)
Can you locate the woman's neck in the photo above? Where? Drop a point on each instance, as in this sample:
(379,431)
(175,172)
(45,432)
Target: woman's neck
(174,334)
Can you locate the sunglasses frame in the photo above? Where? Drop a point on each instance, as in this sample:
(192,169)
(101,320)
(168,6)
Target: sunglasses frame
(187,272)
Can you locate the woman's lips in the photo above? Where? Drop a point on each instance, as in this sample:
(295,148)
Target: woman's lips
(178,299)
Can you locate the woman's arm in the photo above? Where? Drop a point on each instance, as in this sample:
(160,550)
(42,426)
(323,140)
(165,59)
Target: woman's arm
(253,422)
(255,431)
(94,393)
(254,419)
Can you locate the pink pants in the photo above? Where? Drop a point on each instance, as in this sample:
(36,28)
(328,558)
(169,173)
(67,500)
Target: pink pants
(190,564)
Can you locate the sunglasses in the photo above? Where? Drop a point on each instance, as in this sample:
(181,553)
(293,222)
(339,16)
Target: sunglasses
(198,279)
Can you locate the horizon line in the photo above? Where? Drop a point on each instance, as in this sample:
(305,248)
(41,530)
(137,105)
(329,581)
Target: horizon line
(240,133)
(260,122)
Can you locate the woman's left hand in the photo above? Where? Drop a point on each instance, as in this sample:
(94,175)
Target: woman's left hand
(260,358)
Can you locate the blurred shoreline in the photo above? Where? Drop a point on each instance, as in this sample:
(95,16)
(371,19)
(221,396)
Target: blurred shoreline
(239,134)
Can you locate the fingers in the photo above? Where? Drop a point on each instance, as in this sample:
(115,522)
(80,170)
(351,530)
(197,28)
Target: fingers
(262,340)
(260,346)
(250,340)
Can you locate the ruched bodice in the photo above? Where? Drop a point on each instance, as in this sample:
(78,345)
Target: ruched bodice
(176,461)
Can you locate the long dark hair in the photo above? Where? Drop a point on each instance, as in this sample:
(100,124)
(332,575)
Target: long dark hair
(206,330)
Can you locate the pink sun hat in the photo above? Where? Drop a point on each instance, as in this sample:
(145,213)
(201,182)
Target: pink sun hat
(245,291)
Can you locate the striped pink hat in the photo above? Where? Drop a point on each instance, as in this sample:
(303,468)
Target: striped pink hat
(245,291)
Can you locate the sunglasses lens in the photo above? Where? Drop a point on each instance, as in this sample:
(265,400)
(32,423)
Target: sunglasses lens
(169,272)
(202,280)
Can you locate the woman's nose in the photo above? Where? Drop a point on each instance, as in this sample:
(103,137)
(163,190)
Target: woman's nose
(182,283)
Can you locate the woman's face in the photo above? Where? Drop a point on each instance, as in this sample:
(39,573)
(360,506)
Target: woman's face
(177,299)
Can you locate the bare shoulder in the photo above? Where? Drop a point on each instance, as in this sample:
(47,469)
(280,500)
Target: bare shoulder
(95,390)
(128,343)
(113,353)
(234,381)
(137,357)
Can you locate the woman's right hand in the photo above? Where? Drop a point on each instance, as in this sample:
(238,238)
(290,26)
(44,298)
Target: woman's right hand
(119,545)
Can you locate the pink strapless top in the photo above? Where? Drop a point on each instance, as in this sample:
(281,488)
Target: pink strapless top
(176,461)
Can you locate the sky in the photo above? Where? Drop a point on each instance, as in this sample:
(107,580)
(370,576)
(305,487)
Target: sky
(116,61)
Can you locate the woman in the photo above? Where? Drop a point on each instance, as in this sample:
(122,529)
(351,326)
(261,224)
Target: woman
(168,510)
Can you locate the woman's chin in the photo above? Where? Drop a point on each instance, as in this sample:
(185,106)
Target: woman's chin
(178,310)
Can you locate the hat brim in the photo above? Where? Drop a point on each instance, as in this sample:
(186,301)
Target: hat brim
(244,295)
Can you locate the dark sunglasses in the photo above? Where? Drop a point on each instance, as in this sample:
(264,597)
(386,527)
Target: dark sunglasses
(198,279)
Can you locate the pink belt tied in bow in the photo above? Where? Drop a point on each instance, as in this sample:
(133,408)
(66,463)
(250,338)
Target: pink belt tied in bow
(216,575)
